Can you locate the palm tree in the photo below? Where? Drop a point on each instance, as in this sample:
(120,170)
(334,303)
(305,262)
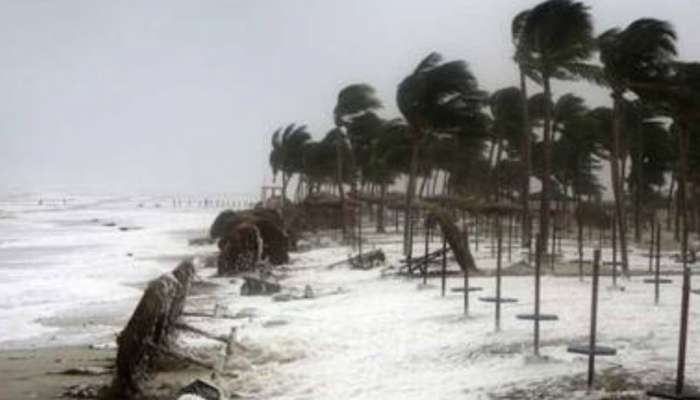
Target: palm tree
(353,101)
(640,51)
(521,58)
(436,96)
(286,154)
(558,37)
(506,109)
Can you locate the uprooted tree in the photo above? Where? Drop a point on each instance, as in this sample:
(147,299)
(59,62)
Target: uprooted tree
(150,329)
(458,244)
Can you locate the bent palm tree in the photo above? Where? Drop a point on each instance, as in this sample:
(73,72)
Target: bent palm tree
(640,51)
(286,154)
(558,35)
(353,100)
(436,96)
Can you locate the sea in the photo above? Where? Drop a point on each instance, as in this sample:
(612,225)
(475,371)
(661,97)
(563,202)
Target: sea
(72,265)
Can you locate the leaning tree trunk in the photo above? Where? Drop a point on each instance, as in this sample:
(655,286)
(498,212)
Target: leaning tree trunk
(618,193)
(410,190)
(544,204)
(527,167)
(458,243)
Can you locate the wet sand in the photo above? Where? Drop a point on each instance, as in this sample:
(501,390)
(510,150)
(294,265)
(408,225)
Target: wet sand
(38,373)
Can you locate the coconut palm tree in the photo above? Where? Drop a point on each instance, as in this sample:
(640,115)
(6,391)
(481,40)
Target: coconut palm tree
(558,36)
(286,154)
(641,51)
(353,101)
(506,108)
(436,97)
(522,59)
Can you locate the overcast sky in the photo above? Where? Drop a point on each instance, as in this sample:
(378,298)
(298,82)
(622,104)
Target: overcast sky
(182,96)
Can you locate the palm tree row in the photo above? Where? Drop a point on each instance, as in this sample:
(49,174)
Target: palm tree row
(490,145)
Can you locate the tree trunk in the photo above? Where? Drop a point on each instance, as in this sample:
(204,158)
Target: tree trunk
(544,204)
(380,209)
(339,183)
(410,190)
(682,188)
(527,167)
(617,185)
(669,210)
(638,188)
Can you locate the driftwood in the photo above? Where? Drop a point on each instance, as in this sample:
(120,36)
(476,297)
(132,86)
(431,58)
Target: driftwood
(150,327)
(423,262)
(229,341)
(458,244)
(365,261)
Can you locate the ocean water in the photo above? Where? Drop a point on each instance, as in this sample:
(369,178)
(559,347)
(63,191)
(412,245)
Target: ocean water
(63,257)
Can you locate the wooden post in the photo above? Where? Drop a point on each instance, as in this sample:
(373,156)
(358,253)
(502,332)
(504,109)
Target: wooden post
(476,234)
(657,275)
(510,236)
(466,270)
(444,262)
(538,266)
(359,232)
(499,241)
(685,308)
(651,246)
(614,248)
(594,319)
(425,265)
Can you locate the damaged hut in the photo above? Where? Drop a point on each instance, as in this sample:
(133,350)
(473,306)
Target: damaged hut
(246,238)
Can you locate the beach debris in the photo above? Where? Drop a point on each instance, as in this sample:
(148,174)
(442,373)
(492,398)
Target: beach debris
(367,260)
(454,237)
(86,371)
(149,332)
(241,250)
(82,391)
(255,285)
(201,389)
(201,241)
(275,239)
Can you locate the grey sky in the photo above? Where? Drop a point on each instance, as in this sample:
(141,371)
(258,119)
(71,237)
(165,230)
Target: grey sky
(163,96)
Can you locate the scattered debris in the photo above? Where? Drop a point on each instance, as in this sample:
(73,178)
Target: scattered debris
(202,390)
(254,285)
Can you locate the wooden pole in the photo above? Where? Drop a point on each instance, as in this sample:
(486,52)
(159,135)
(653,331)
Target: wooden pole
(427,244)
(614,249)
(444,263)
(499,241)
(538,266)
(594,319)
(657,275)
(510,236)
(651,247)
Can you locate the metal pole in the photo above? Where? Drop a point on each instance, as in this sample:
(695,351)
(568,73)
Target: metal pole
(594,319)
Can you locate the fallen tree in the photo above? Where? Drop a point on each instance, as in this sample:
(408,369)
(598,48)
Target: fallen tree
(150,329)
(458,244)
